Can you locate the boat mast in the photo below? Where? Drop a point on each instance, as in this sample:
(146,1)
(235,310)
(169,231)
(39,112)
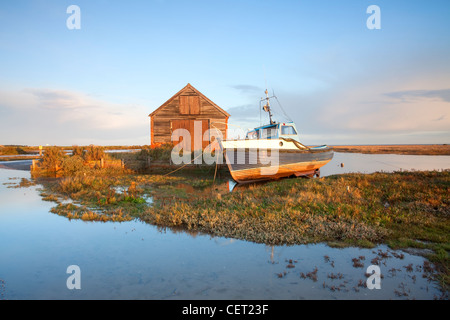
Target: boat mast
(266,107)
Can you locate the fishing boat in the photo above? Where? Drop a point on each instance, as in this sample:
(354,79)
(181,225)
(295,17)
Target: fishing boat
(273,151)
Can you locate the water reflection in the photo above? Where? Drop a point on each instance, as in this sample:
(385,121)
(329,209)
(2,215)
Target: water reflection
(16,165)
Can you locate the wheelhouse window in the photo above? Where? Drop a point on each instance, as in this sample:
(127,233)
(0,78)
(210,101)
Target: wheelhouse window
(269,133)
(288,130)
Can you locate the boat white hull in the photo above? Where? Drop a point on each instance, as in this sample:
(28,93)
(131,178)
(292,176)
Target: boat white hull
(254,160)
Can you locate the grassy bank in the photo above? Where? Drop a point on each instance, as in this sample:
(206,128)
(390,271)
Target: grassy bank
(399,208)
(402,209)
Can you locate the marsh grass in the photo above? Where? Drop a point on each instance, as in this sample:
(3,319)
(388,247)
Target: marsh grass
(13,150)
(99,193)
(160,153)
(93,153)
(53,158)
(72,211)
(24,183)
(55,162)
(398,208)
(353,208)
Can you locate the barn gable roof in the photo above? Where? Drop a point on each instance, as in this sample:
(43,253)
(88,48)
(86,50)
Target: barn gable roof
(189,86)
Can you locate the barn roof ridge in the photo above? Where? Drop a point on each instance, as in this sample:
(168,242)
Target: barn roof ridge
(196,91)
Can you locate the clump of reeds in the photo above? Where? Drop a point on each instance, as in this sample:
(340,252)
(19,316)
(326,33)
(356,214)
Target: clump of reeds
(73,165)
(52,159)
(24,183)
(78,151)
(159,153)
(72,211)
(94,153)
(12,150)
(56,161)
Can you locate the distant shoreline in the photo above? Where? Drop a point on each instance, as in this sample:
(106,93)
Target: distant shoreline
(406,149)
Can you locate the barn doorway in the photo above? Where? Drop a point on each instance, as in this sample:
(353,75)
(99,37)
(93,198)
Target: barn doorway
(197,129)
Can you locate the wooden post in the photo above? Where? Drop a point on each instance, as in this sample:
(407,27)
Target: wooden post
(33,165)
(102,163)
(40,151)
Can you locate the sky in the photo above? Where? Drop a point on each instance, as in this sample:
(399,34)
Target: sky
(340,81)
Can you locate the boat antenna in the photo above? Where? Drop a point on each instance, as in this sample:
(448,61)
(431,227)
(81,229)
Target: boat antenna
(266,107)
(260,108)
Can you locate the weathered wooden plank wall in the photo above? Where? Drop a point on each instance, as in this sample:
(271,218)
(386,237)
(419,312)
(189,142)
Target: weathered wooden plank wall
(181,111)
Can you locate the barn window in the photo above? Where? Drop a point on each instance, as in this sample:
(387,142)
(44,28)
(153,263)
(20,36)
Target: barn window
(189,105)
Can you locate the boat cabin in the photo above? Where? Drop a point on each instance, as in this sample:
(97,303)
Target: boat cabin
(274,131)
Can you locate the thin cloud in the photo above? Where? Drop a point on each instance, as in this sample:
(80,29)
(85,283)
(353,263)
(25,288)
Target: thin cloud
(244,112)
(68,117)
(247,89)
(57,99)
(406,95)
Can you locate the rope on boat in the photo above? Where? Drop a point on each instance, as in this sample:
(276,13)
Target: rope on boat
(282,109)
(217,159)
(182,166)
(215,171)
(297,144)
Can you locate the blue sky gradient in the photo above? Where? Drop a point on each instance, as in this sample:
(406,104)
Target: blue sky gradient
(339,81)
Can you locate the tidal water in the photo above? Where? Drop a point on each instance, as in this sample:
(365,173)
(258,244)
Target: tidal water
(369,163)
(134,260)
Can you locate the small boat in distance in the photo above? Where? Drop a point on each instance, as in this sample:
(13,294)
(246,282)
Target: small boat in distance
(273,151)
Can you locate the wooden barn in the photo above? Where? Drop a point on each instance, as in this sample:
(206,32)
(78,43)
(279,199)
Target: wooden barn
(191,110)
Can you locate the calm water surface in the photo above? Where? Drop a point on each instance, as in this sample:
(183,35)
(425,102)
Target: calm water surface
(133,260)
(369,163)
